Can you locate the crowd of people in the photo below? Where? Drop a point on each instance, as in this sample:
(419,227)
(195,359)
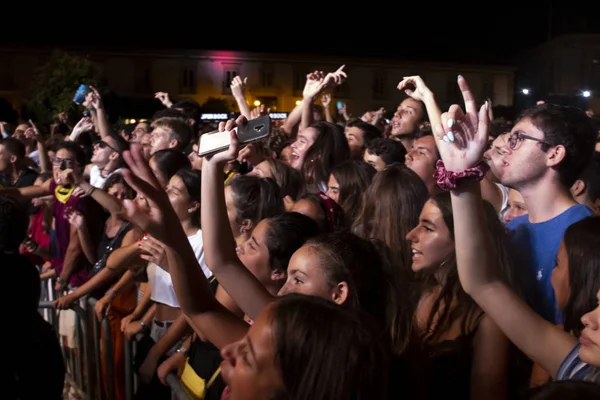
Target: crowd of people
(440,253)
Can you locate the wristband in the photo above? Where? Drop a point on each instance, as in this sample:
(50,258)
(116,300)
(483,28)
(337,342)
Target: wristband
(448,180)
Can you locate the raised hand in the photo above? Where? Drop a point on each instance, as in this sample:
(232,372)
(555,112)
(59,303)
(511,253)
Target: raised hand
(336,78)
(95,99)
(75,218)
(421,90)
(326,99)
(238,86)
(69,177)
(33,132)
(163,97)
(234,148)
(313,85)
(153,251)
(462,137)
(158,216)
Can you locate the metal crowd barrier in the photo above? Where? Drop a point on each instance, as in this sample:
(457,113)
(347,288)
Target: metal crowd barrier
(177,389)
(86,367)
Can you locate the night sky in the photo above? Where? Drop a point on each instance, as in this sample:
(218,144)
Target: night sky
(484,34)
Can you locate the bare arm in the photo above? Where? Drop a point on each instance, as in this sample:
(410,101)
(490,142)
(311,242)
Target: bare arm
(86,242)
(216,322)
(477,266)
(489,370)
(177,331)
(292,120)
(238,89)
(72,255)
(110,203)
(29,192)
(219,246)
(126,256)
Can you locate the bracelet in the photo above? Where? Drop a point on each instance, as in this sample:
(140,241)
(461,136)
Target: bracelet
(111,293)
(142,324)
(60,281)
(448,180)
(182,350)
(89,191)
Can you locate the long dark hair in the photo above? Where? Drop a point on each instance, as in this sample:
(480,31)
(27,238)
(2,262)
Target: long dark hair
(453,303)
(390,209)
(365,265)
(192,179)
(326,352)
(286,234)
(353,177)
(582,241)
(256,198)
(329,149)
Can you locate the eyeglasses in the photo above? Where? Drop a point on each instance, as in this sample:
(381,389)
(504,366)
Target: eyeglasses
(64,162)
(102,145)
(516,138)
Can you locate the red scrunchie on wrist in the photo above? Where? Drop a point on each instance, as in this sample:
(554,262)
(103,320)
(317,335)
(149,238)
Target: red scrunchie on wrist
(448,180)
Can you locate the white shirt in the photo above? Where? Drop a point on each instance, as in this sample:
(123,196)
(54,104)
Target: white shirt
(161,285)
(96,178)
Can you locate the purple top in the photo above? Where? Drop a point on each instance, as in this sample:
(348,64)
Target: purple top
(82,271)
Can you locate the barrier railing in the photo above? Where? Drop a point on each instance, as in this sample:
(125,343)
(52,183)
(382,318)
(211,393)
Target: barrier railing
(81,332)
(86,366)
(176,386)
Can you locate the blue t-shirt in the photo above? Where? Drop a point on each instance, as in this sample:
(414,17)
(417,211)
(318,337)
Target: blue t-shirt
(534,248)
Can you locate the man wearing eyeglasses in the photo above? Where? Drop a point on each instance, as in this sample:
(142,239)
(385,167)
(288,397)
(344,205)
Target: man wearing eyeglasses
(544,154)
(71,268)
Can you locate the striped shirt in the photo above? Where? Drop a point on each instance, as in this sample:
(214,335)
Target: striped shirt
(572,368)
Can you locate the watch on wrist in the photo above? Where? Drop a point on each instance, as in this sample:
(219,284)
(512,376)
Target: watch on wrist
(182,350)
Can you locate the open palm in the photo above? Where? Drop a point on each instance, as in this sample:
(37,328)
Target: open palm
(159,218)
(466,133)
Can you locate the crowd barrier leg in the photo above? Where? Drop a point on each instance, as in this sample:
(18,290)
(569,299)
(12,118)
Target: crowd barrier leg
(77,362)
(108,357)
(97,352)
(128,349)
(177,389)
(84,351)
(87,353)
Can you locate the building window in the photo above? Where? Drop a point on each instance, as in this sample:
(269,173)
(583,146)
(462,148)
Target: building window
(143,77)
(267,77)
(230,71)
(379,86)
(188,84)
(299,81)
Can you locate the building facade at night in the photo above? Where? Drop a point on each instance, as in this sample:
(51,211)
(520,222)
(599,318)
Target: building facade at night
(275,80)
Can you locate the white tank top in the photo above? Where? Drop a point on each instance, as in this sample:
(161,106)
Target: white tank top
(161,286)
(96,179)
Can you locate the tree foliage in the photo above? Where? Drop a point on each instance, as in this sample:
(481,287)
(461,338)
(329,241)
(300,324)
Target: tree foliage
(54,84)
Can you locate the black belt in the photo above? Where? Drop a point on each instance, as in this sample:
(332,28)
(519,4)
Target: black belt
(163,324)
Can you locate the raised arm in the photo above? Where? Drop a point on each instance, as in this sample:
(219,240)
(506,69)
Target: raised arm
(191,286)
(477,264)
(219,243)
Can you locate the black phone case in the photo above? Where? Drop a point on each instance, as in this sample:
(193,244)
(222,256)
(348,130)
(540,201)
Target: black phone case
(254,130)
